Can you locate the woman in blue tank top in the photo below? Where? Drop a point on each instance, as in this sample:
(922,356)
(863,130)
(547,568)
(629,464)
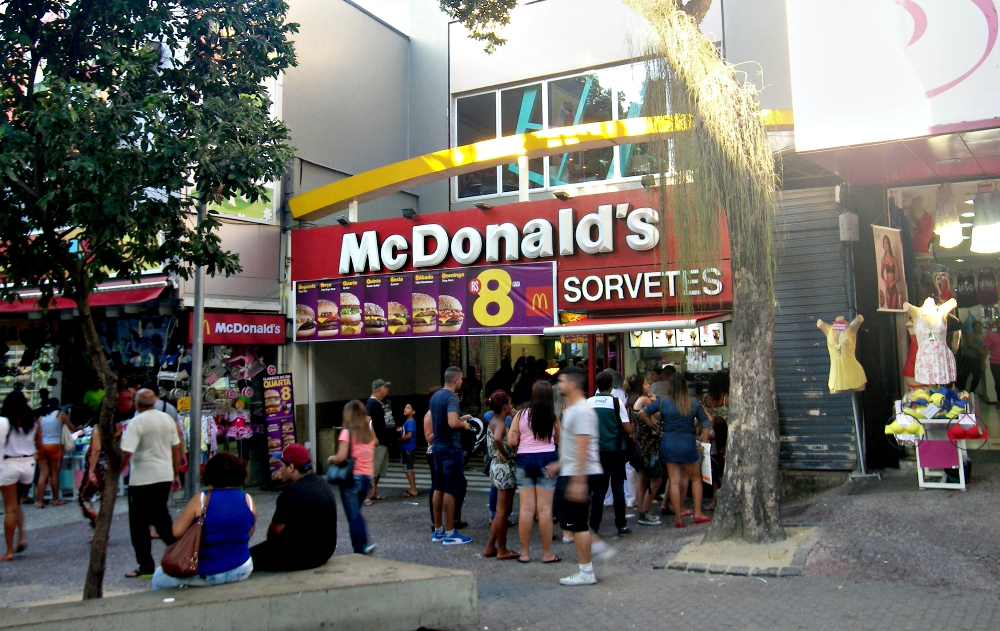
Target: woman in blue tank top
(230,518)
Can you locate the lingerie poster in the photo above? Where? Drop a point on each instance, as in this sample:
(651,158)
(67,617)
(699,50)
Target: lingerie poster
(889,263)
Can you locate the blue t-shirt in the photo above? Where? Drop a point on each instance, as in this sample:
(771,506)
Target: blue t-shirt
(409,427)
(443,402)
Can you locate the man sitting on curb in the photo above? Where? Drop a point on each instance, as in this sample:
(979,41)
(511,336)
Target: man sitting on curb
(303,532)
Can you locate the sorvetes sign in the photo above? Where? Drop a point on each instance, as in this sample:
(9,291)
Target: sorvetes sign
(496,300)
(241,328)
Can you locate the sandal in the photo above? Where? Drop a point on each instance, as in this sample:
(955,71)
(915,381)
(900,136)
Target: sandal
(22,547)
(489,555)
(368,502)
(410,493)
(510,555)
(702,520)
(138,573)
(554,559)
(378,498)
(39,505)
(679,524)
(58,503)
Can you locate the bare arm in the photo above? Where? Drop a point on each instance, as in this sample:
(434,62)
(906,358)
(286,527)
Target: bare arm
(576,490)
(67,422)
(341,454)
(499,428)
(428,428)
(253,509)
(187,517)
(455,422)
(126,458)
(514,433)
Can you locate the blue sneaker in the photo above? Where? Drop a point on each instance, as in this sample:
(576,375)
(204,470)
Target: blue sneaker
(455,539)
(438,536)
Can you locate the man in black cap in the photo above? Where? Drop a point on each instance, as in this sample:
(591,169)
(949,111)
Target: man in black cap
(380,414)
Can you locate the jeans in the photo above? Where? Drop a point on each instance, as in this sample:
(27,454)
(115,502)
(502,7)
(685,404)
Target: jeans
(430,496)
(147,506)
(613,463)
(163,581)
(352,498)
(969,367)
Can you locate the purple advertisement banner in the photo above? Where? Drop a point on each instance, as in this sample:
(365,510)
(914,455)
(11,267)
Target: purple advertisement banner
(495,300)
(279,412)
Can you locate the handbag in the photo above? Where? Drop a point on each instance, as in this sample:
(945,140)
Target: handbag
(631,451)
(342,474)
(69,445)
(181,558)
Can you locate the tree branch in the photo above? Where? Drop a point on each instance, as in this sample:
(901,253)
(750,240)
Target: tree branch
(696,9)
(17,180)
(79,19)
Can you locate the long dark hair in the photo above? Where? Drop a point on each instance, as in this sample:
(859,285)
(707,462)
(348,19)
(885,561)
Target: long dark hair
(633,388)
(677,389)
(543,413)
(16,409)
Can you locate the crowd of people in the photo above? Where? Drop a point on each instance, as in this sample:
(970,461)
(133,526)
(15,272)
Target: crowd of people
(558,450)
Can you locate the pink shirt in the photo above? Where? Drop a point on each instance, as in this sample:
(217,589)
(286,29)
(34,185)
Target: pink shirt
(527,443)
(992,344)
(363,454)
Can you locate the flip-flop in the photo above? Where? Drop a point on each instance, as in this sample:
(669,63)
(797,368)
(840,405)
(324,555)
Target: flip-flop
(378,498)
(409,494)
(137,573)
(58,503)
(368,502)
(554,559)
(679,524)
(702,520)
(39,506)
(520,560)
(21,548)
(509,556)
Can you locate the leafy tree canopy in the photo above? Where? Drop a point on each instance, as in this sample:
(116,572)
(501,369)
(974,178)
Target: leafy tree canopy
(483,18)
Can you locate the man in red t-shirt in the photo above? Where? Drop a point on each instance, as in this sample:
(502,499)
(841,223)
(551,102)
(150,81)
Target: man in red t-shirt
(992,346)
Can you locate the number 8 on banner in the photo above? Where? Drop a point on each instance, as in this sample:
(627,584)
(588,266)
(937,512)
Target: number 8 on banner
(500,296)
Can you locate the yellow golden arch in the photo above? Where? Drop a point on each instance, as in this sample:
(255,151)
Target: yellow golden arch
(448,163)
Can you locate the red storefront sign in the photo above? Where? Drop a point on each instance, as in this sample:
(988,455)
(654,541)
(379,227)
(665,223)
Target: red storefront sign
(241,328)
(606,248)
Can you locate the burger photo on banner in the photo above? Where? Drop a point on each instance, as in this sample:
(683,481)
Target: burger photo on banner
(350,309)
(305,311)
(375,298)
(399,296)
(327,310)
(889,265)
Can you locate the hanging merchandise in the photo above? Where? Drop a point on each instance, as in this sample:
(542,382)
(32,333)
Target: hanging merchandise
(946,222)
(909,368)
(986,225)
(846,374)
(935,363)
(965,288)
(922,225)
(942,285)
(986,286)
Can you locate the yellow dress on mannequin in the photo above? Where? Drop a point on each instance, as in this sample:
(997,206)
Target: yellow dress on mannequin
(846,374)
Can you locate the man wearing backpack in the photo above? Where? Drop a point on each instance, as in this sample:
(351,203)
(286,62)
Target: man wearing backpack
(615,428)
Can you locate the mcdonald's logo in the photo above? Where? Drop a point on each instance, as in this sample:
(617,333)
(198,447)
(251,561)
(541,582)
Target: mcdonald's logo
(208,329)
(538,302)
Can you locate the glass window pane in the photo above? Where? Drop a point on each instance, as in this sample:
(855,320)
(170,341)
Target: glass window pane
(477,118)
(536,175)
(581,99)
(521,110)
(638,159)
(479,183)
(582,166)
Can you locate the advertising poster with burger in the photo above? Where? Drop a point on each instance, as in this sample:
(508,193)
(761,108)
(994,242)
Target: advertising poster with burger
(496,300)
(279,412)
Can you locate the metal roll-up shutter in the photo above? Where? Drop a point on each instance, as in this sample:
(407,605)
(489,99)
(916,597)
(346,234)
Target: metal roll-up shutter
(817,428)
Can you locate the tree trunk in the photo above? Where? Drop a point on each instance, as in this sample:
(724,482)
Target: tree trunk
(94,585)
(748,500)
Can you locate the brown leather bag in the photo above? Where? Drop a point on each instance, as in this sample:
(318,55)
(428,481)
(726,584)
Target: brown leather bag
(181,557)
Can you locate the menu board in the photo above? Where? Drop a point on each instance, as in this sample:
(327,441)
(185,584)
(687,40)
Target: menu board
(279,412)
(495,300)
(712,335)
(687,337)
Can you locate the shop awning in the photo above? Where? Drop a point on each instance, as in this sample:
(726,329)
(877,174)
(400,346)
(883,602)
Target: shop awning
(107,295)
(654,322)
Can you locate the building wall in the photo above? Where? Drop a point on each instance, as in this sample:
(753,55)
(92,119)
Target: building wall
(756,41)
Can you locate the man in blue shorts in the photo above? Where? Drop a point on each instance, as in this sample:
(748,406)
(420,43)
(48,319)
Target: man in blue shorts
(449,460)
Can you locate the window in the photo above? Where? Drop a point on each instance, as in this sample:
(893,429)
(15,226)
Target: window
(608,94)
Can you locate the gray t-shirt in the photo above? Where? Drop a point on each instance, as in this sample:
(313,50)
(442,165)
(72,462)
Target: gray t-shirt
(659,388)
(579,419)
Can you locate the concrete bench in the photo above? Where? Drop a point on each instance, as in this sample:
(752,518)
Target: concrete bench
(349,592)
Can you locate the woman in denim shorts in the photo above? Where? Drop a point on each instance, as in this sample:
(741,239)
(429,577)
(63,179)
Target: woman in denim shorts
(535,432)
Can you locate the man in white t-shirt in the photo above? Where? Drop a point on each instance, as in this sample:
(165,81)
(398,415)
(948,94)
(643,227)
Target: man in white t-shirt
(151,446)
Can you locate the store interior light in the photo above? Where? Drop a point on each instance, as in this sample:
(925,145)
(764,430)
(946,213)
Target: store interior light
(959,260)
(946,224)
(965,224)
(967,215)
(969,202)
(344,221)
(986,226)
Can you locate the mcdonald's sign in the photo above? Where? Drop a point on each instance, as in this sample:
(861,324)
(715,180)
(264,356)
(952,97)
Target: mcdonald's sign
(539,302)
(241,328)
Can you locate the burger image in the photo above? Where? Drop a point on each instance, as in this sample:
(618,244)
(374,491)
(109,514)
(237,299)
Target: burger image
(350,314)
(305,322)
(399,318)
(374,319)
(287,427)
(450,313)
(273,462)
(288,439)
(424,314)
(274,444)
(276,475)
(329,319)
(272,401)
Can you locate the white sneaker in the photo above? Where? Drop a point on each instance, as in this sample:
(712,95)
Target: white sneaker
(567,540)
(602,552)
(580,578)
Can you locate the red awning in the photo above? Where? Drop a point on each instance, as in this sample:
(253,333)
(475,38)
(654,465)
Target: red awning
(655,322)
(106,295)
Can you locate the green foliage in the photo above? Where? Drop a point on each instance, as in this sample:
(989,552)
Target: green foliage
(482,18)
(112,112)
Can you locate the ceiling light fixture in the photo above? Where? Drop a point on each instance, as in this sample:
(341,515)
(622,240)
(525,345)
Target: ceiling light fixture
(959,260)
(967,215)
(946,224)
(968,201)
(947,161)
(965,224)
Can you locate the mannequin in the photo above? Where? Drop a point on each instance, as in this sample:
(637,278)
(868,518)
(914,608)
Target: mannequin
(846,374)
(935,363)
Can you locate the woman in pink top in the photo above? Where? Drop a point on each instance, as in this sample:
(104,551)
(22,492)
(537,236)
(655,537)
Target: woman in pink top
(357,437)
(534,432)
(992,346)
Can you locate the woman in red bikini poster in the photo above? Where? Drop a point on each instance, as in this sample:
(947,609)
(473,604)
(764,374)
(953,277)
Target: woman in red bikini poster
(891,277)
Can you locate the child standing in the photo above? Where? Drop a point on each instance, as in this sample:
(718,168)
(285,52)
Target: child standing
(408,443)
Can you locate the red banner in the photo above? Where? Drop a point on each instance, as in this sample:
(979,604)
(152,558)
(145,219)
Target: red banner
(241,328)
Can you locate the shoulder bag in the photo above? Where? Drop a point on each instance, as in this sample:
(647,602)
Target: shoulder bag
(342,474)
(631,452)
(181,558)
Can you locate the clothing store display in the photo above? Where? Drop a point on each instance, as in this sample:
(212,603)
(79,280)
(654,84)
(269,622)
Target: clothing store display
(923,226)
(986,287)
(947,225)
(935,363)
(911,358)
(897,219)
(942,285)
(965,289)
(846,374)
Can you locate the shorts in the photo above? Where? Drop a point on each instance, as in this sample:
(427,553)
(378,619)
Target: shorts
(381,462)
(575,516)
(51,454)
(17,471)
(449,465)
(407,459)
(530,470)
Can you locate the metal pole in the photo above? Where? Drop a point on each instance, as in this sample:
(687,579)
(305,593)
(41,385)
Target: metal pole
(311,389)
(859,412)
(197,353)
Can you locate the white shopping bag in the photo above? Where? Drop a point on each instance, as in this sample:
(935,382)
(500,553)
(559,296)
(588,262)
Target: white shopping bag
(706,462)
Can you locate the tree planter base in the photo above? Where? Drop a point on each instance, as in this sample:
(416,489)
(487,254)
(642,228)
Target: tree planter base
(735,558)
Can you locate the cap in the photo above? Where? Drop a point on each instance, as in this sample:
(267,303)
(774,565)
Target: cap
(378,383)
(297,455)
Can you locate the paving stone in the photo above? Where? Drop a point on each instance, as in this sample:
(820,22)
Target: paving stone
(738,570)
(697,567)
(765,571)
(717,569)
(790,571)
(677,565)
